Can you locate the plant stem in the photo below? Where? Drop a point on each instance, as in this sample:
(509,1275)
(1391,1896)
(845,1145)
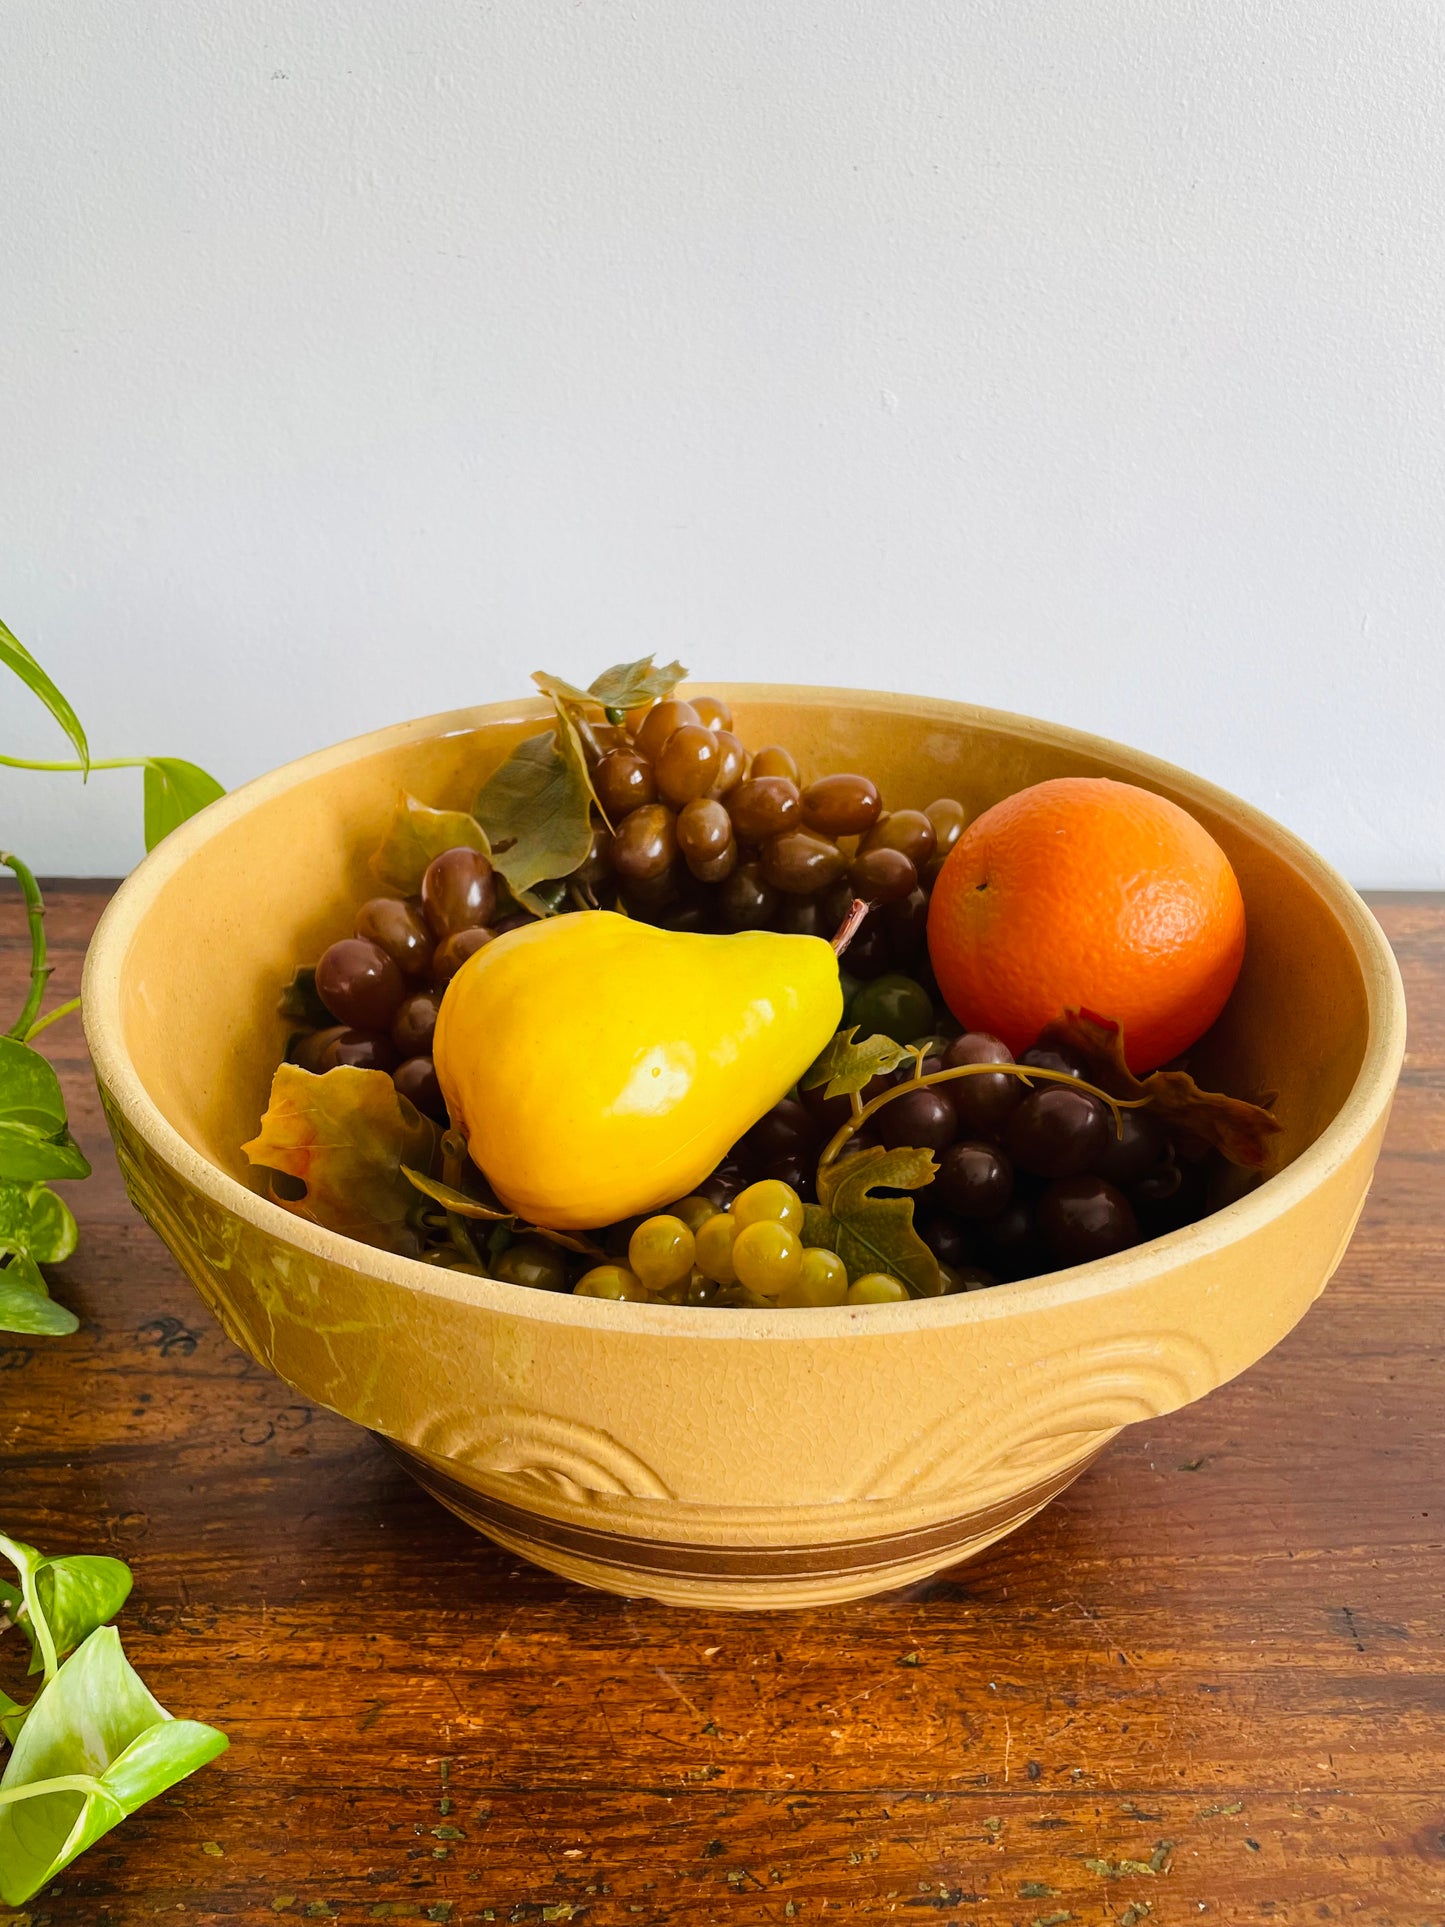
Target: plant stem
(39,969)
(62,1783)
(1028,1072)
(51,1017)
(848,929)
(111,762)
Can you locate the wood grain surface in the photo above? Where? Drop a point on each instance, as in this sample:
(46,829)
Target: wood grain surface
(1207,1683)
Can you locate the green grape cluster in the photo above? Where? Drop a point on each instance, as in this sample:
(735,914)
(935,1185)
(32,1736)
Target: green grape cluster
(749,1253)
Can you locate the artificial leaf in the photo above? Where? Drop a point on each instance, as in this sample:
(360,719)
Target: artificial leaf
(625,686)
(820,1228)
(35,1221)
(174,791)
(77,1592)
(416,835)
(537,810)
(1241,1131)
(14,655)
(845,1065)
(450,1199)
(301,1003)
(88,1754)
(346,1136)
(874,1233)
(26,1304)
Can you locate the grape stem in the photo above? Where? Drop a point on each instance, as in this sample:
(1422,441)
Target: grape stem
(919,1080)
(848,929)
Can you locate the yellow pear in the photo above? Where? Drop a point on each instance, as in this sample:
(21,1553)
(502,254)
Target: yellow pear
(599,1067)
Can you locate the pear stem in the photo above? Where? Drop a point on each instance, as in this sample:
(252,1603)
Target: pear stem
(848,928)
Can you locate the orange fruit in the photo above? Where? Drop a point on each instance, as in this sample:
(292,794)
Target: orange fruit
(1083,893)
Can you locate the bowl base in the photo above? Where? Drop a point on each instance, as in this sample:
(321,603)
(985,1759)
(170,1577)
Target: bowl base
(735,1577)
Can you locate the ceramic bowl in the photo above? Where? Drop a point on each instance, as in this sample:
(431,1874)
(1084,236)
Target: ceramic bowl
(745,1458)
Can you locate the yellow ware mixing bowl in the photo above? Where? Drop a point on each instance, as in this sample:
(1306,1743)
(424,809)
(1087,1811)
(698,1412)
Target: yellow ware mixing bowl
(744,1458)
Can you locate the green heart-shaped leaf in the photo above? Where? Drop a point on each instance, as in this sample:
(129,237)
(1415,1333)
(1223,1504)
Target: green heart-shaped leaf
(35,1221)
(174,791)
(26,1304)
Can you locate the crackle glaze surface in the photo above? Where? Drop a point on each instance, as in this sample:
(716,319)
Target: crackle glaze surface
(748,1459)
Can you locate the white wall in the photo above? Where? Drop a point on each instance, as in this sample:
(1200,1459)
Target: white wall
(1078,356)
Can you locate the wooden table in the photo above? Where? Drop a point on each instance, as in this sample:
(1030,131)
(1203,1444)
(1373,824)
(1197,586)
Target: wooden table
(1219,1657)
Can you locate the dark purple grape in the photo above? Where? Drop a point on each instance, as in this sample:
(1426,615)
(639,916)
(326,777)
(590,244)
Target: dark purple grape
(981,1103)
(452,952)
(907,927)
(359,983)
(645,846)
(787,1130)
(1056,1132)
(458,892)
(799,1172)
(773,760)
(747,902)
(659,723)
(949,1241)
(798,862)
(308,1051)
(362,1050)
(841,805)
(975,1180)
(417,1079)
(1082,1218)
(1052,1060)
(924,1119)
(803,917)
(870,953)
(514,920)
(713,711)
(1130,1157)
(687,764)
(763,807)
(967,1278)
(704,835)
(907,830)
(724,1184)
(595,869)
(414,1025)
(1014,1245)
(949,819)
(624,781)
(400,929)
(883,876)
(732,764)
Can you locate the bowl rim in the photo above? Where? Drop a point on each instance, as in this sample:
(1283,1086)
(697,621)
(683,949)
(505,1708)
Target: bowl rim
(1368,1098)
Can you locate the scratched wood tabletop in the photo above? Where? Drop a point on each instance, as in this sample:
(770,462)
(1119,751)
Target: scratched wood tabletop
(1207,1682)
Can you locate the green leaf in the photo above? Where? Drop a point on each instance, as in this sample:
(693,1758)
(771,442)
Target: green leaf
(14,655)
(174,791)
(78,1592)
(536,810)
(417,834)
(625,686)
(820,1228)
(450,1199)
(845,1066)
(877,1234)
(12,1717)
(95,1746)
(34,1141)
(301,1001)
(26,1304)
(347,1136)
(35,1221)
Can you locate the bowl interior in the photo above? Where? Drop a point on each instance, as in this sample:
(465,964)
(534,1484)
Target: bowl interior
(271,876)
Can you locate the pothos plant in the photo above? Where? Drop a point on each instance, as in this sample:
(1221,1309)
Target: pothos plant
(91,1744)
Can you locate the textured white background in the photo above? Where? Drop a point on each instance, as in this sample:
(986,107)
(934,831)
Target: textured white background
(1083,358)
